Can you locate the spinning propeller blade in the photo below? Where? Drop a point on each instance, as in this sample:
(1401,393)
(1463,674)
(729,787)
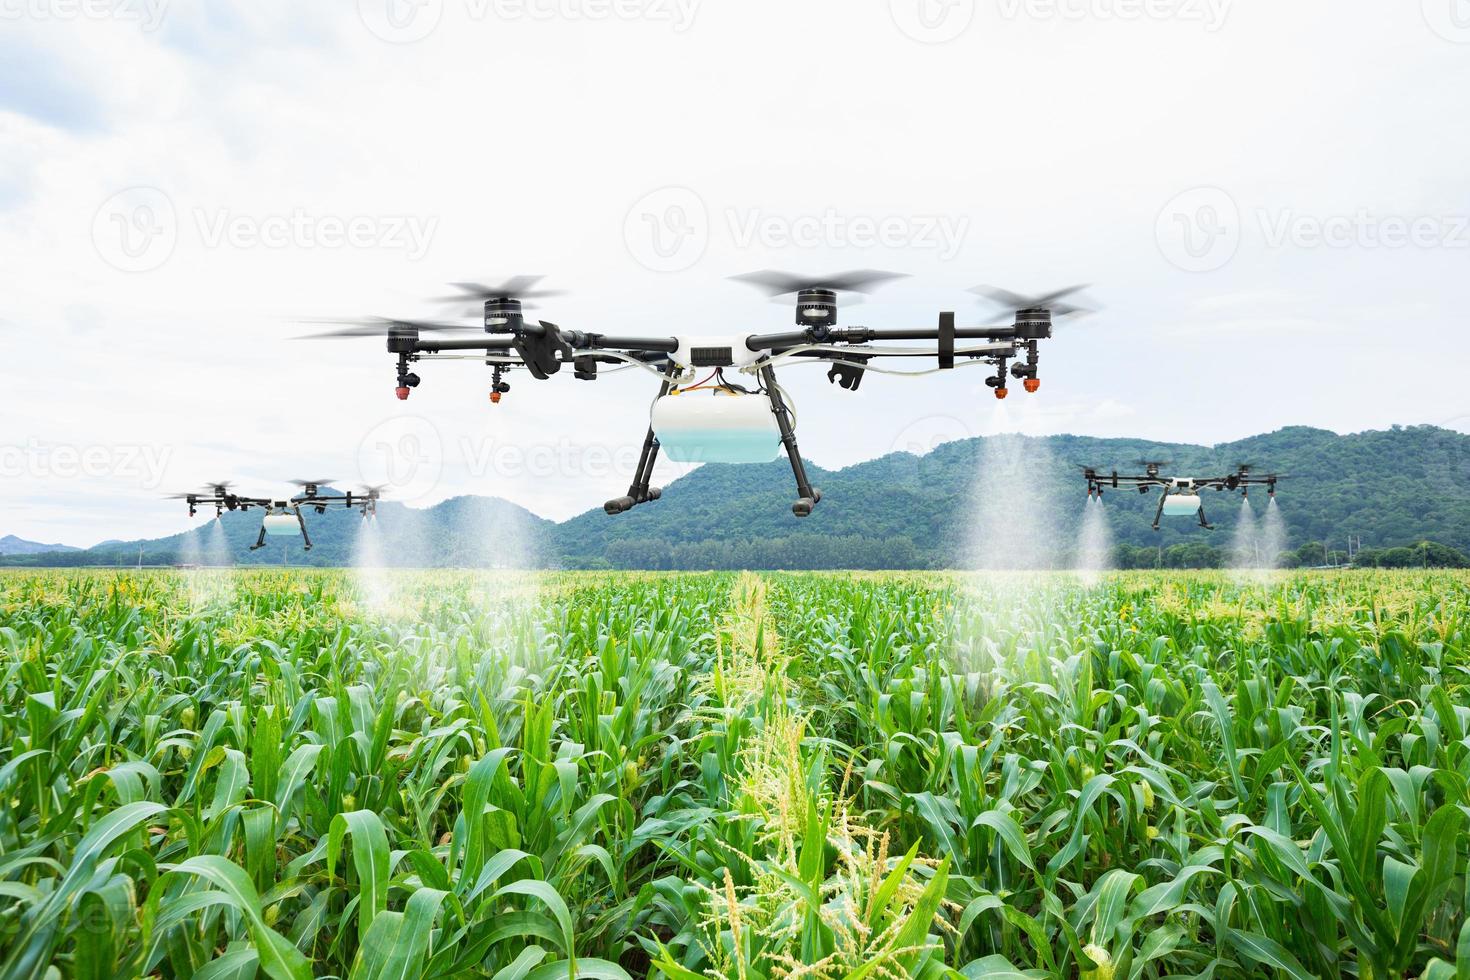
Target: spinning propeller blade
(516,287)
(377,326)
(1015,302)
(774,283)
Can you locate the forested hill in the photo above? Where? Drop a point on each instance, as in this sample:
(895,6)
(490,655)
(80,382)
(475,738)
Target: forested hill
(1013,500)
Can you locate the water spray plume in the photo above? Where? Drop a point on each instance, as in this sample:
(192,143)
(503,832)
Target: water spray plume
(1094,542)
(1273,534)
(1245,542)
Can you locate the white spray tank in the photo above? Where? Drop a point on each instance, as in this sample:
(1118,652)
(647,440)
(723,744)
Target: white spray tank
(1181,504)
(716,427)
(278,524)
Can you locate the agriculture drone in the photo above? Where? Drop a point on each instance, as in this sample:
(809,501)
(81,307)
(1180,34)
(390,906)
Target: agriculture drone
(716,419)
(1180,497)
(282,517)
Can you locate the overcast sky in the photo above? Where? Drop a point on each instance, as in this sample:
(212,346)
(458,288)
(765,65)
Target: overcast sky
(1270,200)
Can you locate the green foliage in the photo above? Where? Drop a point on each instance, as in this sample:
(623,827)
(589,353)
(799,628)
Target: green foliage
(249,774)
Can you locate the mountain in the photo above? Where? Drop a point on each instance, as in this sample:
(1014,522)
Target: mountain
(11,545)
(1003,501)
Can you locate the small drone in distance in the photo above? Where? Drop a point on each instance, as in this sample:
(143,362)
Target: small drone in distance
(1180,496)
(719,418)
(282,517)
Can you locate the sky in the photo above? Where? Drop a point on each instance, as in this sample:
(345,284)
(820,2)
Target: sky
(1269,201)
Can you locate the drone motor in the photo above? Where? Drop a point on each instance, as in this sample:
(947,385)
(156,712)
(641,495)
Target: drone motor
(816,308)
(503,315)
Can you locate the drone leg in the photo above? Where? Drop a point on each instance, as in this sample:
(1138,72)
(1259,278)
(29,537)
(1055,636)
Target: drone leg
(1158,514)
(808,496)
(1202,522)
(260,541)
(639,492)
(304,536)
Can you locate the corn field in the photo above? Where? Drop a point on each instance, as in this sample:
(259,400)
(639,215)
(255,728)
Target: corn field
(243,774)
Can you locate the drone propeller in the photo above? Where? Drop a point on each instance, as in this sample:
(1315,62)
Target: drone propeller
(1016,302)
(775,283)
(304,484)
(377,326)
(516,287)
(1159,463)
(373,489)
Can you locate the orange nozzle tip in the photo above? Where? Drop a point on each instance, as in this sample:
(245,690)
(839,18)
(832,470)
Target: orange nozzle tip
(495,398)
(1031,384)
(1001,392)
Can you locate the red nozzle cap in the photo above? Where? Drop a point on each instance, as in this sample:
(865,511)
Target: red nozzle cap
(1001,392)
(1031,384)
(402,394)
(495,398)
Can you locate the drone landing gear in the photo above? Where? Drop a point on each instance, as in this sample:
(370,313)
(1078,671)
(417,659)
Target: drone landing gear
(639,492)
(807,495)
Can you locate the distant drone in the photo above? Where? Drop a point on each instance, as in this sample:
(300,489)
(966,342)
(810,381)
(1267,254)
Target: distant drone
(727,422)
(1180,497)
(282,517)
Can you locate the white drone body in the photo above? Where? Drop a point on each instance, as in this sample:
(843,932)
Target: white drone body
(718,425)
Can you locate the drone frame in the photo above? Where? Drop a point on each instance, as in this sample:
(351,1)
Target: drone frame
(219,497)
(543,349)
(1241,479)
